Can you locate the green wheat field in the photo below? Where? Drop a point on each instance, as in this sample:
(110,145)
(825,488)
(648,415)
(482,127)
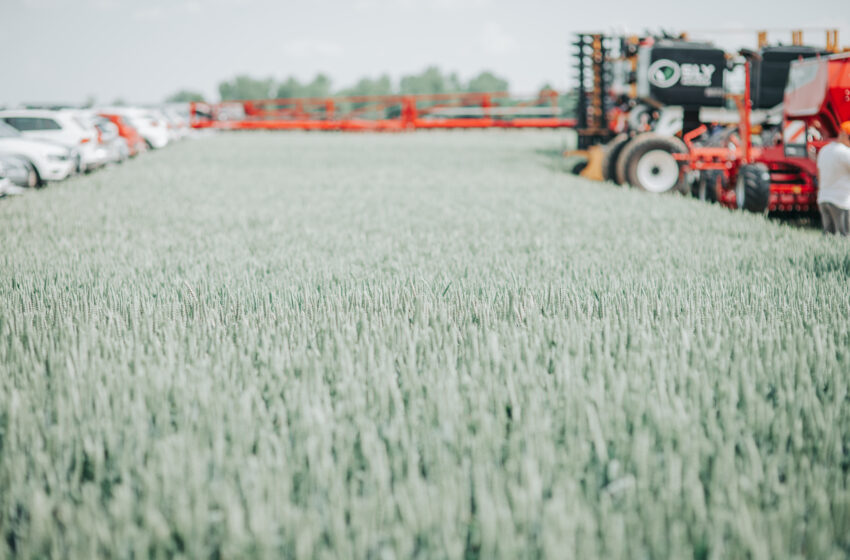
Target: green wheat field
(425,345)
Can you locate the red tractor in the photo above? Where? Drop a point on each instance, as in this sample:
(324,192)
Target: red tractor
(779,173)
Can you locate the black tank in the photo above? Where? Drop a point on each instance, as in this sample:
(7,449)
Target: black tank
(770,74)
(682,73)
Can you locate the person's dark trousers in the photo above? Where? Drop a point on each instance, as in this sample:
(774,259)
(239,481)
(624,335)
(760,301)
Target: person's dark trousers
(835,220)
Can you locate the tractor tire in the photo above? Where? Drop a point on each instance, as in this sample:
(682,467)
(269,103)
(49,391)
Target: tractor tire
(647,163)
(612,154)
(705,188)
(620,164)
(752,188)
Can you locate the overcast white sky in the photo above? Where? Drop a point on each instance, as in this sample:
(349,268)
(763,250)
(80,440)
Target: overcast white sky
(142,50)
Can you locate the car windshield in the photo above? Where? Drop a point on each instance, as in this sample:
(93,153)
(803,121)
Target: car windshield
(7,131)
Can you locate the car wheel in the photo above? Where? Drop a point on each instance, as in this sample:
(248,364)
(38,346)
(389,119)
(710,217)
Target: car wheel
(33,180)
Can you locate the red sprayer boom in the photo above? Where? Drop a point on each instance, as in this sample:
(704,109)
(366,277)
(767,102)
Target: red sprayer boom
(385,112)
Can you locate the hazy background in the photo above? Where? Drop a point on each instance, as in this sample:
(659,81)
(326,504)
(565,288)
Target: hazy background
(141,51)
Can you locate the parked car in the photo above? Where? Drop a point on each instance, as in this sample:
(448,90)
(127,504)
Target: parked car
(152,128)
(65,126)
(19,171)
(4,180)
(6,186)
(115,147)
(135,143)
(179,120)
(50,161)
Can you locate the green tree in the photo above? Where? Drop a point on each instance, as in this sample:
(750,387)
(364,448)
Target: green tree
(431,80)
(184,96)
(319,87)
(569,103)
(487,81)
(382,85)
(290,88)
(454,83)
(246,87)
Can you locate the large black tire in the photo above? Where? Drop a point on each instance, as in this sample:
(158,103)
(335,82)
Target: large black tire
(620,164)
(711,181)
(752,188)
(612,154)
(647,163)
(706,186)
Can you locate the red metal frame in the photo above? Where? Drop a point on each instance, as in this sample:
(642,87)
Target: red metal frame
(793,178)
(383,113)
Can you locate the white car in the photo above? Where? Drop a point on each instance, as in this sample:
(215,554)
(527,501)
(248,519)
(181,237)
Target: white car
(152,128)
(4,181)
(111,147)
(116,147)
(66,127)
(52,162)
(6,186)
(19,171)
(178,122)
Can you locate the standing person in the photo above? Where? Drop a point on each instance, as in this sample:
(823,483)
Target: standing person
(834,183)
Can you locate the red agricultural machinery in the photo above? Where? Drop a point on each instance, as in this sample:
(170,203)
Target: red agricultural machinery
(384,113)
(779,174)
(658,113)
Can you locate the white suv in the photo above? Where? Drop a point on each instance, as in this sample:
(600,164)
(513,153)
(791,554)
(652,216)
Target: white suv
(51,161)
(65,127)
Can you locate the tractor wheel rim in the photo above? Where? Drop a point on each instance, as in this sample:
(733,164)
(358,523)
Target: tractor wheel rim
(657,171)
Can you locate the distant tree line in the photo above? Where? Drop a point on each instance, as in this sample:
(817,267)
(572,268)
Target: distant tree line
(429,81)
(184,96)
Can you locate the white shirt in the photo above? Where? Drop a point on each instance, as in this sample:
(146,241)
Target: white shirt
(834,175)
